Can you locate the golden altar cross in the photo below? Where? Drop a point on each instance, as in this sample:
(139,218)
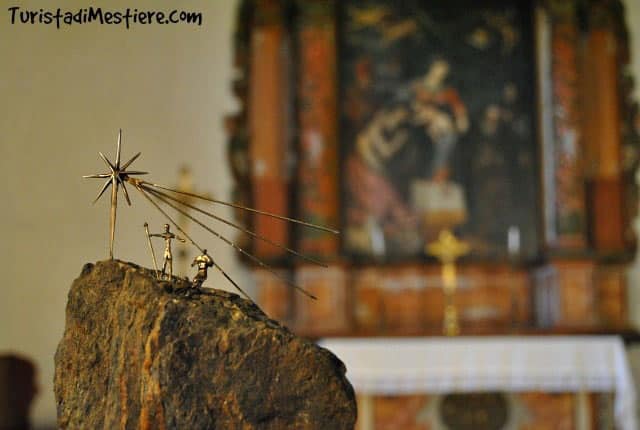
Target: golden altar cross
(447,249)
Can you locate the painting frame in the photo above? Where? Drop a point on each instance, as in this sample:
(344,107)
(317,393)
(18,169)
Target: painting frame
(564,225)
(440,217)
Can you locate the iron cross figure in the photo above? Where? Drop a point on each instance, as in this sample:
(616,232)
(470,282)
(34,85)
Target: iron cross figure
(203,262)
(168,256)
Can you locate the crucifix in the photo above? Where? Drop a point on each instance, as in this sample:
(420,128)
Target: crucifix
(447,249)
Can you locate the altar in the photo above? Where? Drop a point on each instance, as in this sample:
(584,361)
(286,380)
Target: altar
(577,373)
(376,124)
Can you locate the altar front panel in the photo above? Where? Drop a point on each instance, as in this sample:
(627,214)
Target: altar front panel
(487,411)
(563,378)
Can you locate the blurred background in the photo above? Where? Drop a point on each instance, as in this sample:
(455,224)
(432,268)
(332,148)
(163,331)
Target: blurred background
(65,94)
(511,126)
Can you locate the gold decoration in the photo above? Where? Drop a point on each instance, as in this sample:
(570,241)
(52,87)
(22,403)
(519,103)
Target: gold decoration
(448,249)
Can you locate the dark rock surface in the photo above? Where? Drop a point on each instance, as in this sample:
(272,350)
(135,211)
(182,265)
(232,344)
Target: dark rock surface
(138,353)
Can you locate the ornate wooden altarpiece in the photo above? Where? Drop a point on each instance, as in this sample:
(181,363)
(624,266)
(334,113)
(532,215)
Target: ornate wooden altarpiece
(510,122)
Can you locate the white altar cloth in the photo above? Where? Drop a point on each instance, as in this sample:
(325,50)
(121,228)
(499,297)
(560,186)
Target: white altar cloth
(396,366)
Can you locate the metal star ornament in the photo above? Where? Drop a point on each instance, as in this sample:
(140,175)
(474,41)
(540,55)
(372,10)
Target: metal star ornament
(158,195)
(117,176)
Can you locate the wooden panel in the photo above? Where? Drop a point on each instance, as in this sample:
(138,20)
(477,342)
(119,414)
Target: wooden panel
(486,411)
(549,411)
(611,284)
(368,300)
(329,314)
(274,295)
(434,296)
(404,301)
(603,137)
(608,217)
(569,205)
(576,293)
(400,412)
(495,297)
(318,193)
(268,97)
(601,103)
(409,299)
(270,194)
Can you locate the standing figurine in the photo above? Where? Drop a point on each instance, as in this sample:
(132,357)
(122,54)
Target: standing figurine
(168,257)
(204,262)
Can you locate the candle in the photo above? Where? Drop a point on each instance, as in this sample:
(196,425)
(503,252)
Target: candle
(513,241)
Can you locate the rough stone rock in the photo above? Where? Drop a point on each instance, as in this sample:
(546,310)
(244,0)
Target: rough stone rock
(138,353)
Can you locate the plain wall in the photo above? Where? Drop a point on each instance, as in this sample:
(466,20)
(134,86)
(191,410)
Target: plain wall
(63,95)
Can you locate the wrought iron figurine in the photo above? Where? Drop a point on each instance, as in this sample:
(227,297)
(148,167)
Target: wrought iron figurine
(203,262)
(158,194)
(167,262)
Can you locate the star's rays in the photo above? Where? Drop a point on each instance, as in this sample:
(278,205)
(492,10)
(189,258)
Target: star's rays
(156,194)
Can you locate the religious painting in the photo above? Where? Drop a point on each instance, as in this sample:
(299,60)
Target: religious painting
(438,126)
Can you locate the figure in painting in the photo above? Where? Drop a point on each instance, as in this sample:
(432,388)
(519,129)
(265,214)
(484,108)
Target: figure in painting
(440,110)
(382,138)
(379,210)
(501,151)
(378,206)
